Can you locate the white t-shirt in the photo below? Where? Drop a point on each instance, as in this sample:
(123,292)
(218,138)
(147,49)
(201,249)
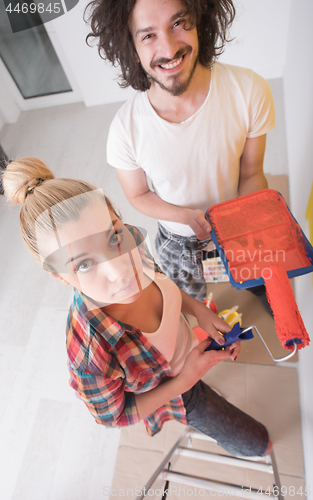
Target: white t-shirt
(194,163)
(174,338)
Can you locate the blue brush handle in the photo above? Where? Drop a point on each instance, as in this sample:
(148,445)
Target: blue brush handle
(234,335)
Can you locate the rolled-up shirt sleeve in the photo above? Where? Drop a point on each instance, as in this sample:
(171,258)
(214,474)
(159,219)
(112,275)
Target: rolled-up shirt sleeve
(105,398)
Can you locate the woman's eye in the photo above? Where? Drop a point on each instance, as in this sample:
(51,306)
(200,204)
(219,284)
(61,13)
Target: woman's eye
(84,266)
(116,238)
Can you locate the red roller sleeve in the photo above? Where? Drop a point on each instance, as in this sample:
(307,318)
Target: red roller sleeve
(288,322)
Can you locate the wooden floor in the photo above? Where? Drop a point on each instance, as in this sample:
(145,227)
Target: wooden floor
(51,449)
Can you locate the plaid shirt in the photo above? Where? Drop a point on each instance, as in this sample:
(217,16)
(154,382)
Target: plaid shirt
(110,362)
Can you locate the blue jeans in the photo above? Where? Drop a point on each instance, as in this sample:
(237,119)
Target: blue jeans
(234,430)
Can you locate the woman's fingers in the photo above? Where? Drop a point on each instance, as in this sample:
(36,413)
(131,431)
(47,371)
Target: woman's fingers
(202,346)
(221,325)
(234,350)
(231,351)
(216,355)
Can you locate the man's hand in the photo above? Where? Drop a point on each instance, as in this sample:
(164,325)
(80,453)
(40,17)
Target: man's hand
(137,191)
(198,223)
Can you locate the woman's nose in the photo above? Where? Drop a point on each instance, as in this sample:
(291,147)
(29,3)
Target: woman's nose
(114,269)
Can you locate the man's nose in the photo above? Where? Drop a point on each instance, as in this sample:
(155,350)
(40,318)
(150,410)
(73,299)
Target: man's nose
(168,45)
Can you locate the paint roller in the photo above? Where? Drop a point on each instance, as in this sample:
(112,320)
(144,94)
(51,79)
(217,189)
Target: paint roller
(260,242)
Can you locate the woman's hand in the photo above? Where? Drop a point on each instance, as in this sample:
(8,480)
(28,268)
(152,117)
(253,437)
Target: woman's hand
(212,324)
(207,319)
(215,326)
(199,361)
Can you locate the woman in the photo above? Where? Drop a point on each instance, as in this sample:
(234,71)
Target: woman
(131,353)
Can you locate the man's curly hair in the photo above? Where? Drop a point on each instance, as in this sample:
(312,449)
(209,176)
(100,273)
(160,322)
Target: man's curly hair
(109,24)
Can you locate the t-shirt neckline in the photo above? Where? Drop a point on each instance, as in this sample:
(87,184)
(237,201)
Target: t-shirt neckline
(190,118)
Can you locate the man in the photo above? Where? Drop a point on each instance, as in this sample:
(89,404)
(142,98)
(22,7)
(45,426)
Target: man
(197,129)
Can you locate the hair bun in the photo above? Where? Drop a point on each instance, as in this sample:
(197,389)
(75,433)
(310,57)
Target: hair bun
(22,176)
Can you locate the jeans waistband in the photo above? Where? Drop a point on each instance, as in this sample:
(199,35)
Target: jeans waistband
(185,241)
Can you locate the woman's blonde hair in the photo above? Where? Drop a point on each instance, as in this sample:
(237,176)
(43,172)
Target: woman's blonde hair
(30,183)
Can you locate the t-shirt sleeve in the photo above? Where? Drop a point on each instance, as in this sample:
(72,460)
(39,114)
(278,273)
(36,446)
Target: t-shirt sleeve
(120,153)
(262,111)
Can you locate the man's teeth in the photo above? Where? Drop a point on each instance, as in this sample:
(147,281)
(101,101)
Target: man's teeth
(172,64)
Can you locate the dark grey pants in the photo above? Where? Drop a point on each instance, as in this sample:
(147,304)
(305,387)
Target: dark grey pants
(234,430)
(180,259)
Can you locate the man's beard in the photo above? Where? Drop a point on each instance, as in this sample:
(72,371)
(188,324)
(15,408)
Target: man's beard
(177,88)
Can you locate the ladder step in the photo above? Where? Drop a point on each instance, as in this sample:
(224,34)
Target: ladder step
(234,461)
(204,437)
(206,484)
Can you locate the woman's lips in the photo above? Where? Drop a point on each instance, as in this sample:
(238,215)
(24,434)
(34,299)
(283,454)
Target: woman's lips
(128,286)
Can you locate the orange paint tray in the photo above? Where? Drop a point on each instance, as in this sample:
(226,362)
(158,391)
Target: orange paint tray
(254,231)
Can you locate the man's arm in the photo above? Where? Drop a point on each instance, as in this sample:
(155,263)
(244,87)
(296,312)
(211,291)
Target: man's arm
(136,189)
(251,166)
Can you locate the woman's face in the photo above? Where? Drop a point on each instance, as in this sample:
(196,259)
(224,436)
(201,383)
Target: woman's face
(98,256)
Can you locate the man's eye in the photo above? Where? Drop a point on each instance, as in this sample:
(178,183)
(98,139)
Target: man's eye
(178,23)
(84,266)
(147,37)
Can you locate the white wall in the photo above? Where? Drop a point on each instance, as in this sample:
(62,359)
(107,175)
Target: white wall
(9,111)
(96,79)
(261,31)
(298,91)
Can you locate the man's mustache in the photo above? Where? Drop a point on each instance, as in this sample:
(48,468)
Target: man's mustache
(162,60)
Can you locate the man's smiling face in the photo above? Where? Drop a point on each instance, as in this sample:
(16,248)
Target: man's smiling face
(167,51)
